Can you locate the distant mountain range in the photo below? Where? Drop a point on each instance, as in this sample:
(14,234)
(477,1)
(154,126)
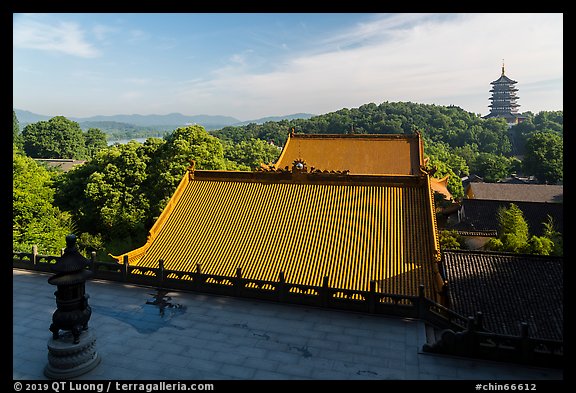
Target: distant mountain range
(210,122)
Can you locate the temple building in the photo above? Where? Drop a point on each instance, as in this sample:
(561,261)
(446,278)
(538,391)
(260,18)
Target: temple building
(504,100)
(361,154)
(348,211)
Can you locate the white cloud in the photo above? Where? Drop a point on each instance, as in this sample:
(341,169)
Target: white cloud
(443,59)
(101,32)
(240,58)
(429,59)
(64,37)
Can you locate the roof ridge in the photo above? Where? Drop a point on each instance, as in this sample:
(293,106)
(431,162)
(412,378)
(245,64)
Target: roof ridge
(502,253)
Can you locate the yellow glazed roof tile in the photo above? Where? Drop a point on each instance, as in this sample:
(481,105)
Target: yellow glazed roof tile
(357,153)
(353,230)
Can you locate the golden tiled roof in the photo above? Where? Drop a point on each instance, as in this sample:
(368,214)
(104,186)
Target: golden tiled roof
(351,228)
(373,154)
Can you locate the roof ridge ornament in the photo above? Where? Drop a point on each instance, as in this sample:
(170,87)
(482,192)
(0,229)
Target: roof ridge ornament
(191,169)
(299,166)
(423,170)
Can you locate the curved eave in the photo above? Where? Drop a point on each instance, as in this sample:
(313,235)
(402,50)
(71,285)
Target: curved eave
(503,80)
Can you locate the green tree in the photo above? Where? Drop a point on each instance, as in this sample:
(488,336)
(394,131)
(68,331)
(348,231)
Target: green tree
(540,245)
(252,153)
(35,220)
(55,138)
(550,120)
(95,140)
(88,243)
(513,232)
(451,125)
(442,152)
(555,237)
(444,162)
(451,240)
(545,157)
(117,196)
(169,160)
(494,138)
(106,195)
(491,167)
(545,121)
(196,143)
(16,136)
(468,153)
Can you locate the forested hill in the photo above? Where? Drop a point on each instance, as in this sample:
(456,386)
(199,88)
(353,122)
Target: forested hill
(458,142)
(115,197)
(450,124)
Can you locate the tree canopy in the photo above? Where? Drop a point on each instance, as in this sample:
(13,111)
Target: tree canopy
(252,153)
(94,140)
(514,235)
(444,162)
(55,138)
(120,193)
(16,136)
(35,220)
(116,196)
(488,146)
(545,157)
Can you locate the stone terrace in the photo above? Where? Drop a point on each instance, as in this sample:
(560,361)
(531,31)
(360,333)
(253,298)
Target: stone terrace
(205,337)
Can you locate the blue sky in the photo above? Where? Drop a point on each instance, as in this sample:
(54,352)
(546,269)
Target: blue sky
(254,65)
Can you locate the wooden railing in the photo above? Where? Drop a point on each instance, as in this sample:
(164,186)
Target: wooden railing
(473,340)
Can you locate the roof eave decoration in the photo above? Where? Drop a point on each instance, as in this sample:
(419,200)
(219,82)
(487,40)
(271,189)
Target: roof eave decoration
(444,180)
(285,148)
(299,166)
(423,170)
(190,169)
(440,284)
(422,162)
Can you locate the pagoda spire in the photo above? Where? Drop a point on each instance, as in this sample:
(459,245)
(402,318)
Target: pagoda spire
(502,67)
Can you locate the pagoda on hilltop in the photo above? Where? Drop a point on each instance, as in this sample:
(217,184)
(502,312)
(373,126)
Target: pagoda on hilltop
(504,100)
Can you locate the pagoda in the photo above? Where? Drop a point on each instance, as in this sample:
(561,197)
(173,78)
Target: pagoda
(504,100)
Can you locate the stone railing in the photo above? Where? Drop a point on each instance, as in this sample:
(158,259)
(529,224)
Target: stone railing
(463,336)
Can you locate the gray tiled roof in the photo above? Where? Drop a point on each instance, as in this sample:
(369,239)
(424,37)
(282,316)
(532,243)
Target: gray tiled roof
(508,289)
(517,192)
(482,215)
(60,163)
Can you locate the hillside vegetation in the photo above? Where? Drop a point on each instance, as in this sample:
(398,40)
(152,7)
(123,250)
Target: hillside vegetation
(113,199)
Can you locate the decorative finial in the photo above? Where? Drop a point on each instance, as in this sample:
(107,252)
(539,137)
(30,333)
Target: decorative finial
(70,242)
(299,165)
(502,67)
(191,169)
(192,165)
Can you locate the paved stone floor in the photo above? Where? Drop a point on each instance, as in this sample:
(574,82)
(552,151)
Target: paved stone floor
(203,337)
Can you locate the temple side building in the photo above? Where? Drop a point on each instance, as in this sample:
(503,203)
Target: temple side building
(341,210)
(504,100)
(361,154)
